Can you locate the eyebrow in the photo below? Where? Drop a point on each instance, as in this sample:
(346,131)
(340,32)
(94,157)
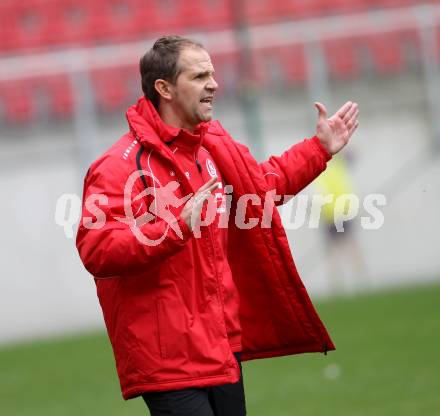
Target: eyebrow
(207,72)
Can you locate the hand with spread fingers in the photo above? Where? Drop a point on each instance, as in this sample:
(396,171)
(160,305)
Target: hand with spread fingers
(335,132)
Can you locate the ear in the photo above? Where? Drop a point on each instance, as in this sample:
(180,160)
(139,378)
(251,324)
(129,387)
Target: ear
(163,88)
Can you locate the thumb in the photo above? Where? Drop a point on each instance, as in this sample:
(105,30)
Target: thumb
(322,111)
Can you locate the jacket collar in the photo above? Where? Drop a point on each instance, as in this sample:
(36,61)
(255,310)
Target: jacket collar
(150,130)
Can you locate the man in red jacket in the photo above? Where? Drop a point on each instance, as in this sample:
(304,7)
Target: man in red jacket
(190,259)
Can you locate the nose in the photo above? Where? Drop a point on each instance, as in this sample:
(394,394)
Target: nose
(212,84)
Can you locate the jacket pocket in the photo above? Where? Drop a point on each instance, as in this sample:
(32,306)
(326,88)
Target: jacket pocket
(161,328)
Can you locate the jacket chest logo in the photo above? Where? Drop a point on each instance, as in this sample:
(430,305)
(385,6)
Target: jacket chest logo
(211,168)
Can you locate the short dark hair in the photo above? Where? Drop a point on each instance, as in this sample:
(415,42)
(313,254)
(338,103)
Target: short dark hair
(160,62)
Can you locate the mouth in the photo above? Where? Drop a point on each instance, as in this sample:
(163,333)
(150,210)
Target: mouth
(207,100)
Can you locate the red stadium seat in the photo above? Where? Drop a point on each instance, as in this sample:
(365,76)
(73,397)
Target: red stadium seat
(294,63)
(410,46)
(8,26)
(341,57)
(62,103)
(226,72)
(75,22)
(344,6)
(24,24)
(173,16)
(271,10)
(162,17)
(124,19)
(268,67)
(391,3)
(437,29)
(133,87)
(299,9)
(386,52)
(19,105)
(207,14)
(111,88)
(283,65)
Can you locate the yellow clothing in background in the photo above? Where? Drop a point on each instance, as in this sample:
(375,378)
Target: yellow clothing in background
(335,180)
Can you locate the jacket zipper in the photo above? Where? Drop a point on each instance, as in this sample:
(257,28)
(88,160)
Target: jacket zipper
(199,167)
(211,238)
(219,287)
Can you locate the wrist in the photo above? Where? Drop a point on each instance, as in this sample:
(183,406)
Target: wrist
(321,147)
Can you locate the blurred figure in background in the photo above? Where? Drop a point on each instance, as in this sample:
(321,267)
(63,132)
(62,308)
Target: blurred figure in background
(346,267)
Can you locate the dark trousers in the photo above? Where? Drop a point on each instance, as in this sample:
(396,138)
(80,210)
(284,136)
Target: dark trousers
(223,400)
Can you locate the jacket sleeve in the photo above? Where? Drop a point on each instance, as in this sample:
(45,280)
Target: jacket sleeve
(112,243)
(291,172)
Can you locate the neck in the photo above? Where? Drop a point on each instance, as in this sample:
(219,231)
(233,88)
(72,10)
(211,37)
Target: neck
(171,118)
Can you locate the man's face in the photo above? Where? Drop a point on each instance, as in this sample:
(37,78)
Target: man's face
(193,93)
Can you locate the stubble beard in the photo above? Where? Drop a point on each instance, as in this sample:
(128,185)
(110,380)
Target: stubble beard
(203,116)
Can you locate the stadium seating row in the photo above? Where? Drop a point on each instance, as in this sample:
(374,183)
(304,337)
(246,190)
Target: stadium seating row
(384,53)
(23,101)
(41,23)
(115,88)
(30,24)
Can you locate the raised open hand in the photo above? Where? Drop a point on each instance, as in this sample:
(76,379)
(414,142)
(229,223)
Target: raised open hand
(335,132)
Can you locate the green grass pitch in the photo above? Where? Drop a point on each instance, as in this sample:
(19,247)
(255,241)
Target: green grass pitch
(387,363)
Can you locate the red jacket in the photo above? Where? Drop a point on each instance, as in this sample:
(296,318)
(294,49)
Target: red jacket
(176,308)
